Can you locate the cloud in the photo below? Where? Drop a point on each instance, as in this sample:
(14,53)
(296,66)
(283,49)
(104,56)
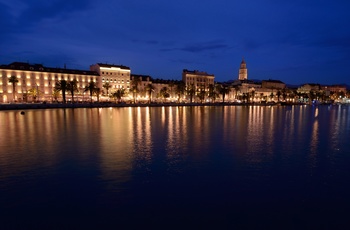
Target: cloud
(200,47)
(39,10)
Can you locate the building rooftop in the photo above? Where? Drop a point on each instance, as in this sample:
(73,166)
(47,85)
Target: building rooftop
(112,65)
(274,81)
(41,68)
(197,72)
(143,77)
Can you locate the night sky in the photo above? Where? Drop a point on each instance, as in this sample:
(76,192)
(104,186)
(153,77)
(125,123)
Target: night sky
(295,41)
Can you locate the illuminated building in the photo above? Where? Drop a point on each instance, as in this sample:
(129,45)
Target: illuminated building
(199,79)
(37,82)
(273,84)
(334,88)
(143,81)
(307,88)
(118,76)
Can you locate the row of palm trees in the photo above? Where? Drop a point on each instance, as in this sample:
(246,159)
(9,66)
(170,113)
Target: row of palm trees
(72,87)
(211,92)
(180,89)
(62,86)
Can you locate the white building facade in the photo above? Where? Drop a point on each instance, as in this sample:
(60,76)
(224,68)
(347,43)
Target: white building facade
(201,80)
(40,79)
(118,76)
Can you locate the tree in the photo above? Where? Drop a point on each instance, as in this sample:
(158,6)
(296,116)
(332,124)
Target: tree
(191,91)
(62,85)
(164,92)
(278,95)
(180,89)
(118,94)
(72,86)
(134,87)
(284,94)
(55,94)
(34,92)
(237,89)
(91,87)
(149,90)
(212,94)
(171,86)
(201,94)
(223,90)
(252,93)
(245,97)
(97,92)
(107,86)
(13,80)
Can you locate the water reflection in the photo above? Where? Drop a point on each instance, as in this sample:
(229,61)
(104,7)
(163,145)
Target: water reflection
(118,141)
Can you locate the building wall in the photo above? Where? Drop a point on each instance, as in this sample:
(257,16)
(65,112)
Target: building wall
(42,79)
(334,88)
(273,84)
(197,78)
(117,76)
(306,88)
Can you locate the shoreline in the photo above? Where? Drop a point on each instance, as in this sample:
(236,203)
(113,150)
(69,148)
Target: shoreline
(26,106)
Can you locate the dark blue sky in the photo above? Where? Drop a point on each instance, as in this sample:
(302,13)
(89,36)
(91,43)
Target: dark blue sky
(296,41)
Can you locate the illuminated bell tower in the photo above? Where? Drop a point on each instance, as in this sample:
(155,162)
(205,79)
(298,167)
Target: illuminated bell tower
(243,72)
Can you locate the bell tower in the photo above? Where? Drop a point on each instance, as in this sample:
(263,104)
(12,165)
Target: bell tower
(243,72)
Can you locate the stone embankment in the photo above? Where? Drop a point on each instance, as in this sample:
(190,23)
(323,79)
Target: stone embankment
(23,106)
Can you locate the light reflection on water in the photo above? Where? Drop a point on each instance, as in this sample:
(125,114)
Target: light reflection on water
(164,159)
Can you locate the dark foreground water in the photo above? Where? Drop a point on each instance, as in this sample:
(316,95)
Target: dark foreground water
(234,167)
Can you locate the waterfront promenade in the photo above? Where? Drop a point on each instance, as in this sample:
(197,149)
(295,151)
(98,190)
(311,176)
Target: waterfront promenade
(24,106)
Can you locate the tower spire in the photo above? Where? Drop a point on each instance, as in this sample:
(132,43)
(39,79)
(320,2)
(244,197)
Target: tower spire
(243,72)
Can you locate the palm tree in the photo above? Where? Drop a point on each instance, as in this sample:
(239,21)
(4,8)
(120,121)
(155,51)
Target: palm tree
(252,93)
(62,85)
(191,91)
(201,95)
(180,89)
(164,92)
(72,86)
(171,86)
(223,90)
(134,86)
(245,97)
(284,94)
(119,94)
(107,86)
(97,91)
(278,95)
(91,87)
(212,93)
(14,81)
(236,88)
(149,89)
